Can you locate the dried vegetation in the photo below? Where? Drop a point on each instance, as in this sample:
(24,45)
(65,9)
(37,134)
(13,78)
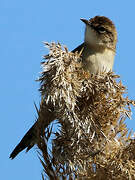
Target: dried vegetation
(93,141)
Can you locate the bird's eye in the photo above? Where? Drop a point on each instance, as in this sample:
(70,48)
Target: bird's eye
(101,29)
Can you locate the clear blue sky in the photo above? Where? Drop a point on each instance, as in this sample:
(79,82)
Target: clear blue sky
(24,25)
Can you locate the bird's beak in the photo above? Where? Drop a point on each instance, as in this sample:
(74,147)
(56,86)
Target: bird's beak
(85,21)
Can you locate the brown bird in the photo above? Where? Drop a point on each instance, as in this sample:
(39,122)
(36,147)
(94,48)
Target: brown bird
(97,56)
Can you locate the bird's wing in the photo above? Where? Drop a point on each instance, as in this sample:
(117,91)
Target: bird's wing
(78,48)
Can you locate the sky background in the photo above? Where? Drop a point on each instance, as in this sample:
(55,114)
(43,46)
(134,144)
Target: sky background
(24,25)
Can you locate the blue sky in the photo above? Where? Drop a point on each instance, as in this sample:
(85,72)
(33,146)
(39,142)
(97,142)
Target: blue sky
(24,25)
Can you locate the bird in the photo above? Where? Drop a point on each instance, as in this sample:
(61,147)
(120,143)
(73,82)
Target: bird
(97,52)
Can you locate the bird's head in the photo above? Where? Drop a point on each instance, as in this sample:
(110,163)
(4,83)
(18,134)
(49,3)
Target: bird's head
(100,31)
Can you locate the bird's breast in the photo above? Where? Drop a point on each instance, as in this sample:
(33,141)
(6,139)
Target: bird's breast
(97,62)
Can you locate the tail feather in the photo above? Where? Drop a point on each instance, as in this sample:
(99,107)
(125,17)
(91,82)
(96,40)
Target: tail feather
(46,115)
(28,141)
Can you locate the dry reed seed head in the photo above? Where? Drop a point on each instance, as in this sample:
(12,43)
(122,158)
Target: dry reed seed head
(91,110)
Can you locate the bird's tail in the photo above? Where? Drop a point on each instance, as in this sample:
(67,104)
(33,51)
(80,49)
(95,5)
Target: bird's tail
(28,141)
(46,115)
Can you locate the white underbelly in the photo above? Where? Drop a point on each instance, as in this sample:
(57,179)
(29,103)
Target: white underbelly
(99,62)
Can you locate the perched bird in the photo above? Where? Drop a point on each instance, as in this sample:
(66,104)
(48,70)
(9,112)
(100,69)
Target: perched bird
(98,52)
